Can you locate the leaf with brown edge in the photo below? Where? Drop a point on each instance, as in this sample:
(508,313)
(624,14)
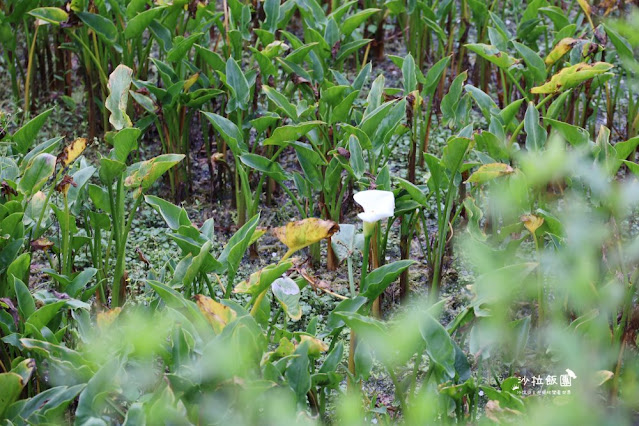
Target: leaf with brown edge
(107,318)
(302,233)
(560,49)
(570,77)
(143,174)
(532,222)
(488,172)
(72,151)
(119,83)
(216,314)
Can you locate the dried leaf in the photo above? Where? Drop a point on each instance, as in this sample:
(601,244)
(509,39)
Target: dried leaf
(303,233)
(105,319)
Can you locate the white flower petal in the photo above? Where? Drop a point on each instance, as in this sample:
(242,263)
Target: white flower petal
(377,205)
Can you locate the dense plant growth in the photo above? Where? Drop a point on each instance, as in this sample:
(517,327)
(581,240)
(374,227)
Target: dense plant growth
(418,212)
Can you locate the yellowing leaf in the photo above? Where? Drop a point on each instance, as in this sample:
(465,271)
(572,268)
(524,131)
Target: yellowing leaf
(585,6)
(216,314)
(488,172)
(560,49)
(572,76)
(72,151)
(259,281)
(191,81)
(303,233)
(106,318)
(532,222)
(285,349)
(315,346)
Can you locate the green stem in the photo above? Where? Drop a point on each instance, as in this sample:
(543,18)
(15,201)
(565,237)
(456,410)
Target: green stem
(27,84)
(66,267)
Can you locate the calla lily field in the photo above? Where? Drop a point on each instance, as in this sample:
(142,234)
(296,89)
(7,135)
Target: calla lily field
(282,212)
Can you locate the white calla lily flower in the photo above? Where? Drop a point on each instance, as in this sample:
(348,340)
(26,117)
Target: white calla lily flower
(377,205)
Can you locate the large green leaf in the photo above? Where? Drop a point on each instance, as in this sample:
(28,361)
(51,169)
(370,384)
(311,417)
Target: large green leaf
(408,74)
(535,134)
(573,134)
(291,132)
(237,81)
(37,174)
(229,131)
(26,304)
(26,135)
(297,374)
(42,316)
(281,101)
(439,345)
(234,250)
(181,48)
(270,168)
(102,26)
(136,26)
(355,20)
(382,277)
(174,216)
(125,141)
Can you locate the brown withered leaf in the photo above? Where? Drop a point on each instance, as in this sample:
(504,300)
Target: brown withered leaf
(41,243)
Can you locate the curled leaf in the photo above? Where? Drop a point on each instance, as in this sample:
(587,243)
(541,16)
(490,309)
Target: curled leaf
(572,76)
(488,172)
(532,222)
(216,314)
